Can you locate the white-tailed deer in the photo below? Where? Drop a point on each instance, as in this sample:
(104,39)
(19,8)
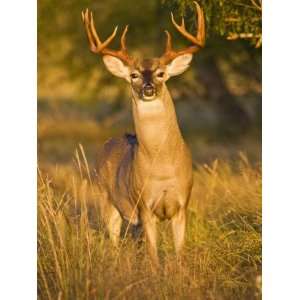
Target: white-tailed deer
(147,176)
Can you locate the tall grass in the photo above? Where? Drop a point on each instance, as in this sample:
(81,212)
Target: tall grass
(222,254)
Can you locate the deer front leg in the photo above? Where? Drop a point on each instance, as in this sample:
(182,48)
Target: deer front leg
(149,224)
(178,229)
(114,226)
(110,216)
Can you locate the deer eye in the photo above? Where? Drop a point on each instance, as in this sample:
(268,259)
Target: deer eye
(134,76)
(160,74)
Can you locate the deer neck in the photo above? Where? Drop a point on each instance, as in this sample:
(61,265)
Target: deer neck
(156,126)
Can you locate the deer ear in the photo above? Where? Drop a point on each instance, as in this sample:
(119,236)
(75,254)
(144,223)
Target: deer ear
(179,64)
(116,67)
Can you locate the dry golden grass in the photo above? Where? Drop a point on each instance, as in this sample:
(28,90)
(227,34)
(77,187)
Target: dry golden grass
(222,255)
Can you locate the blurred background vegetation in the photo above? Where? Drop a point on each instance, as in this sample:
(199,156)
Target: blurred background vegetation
(218,101)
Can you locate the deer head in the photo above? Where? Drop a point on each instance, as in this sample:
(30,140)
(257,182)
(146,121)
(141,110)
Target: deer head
(147,77)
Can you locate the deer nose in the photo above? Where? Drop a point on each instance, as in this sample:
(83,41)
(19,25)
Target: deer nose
(148,90)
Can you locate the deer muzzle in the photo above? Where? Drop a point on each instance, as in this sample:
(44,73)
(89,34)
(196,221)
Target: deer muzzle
(148,91)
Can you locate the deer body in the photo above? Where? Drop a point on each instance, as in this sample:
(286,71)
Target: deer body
(147,177)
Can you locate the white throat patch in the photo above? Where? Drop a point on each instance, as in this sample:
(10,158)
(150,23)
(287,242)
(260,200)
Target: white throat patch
(150,107)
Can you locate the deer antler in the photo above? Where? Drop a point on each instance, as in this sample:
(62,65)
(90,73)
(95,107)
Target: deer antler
(198,40)
(96,46)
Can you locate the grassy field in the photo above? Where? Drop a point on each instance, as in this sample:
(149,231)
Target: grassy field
(76,260)
(222,254)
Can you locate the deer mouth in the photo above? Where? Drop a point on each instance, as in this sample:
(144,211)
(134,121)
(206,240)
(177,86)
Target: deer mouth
(149,92)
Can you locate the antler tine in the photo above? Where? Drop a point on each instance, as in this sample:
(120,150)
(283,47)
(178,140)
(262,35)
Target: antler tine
(179,27)
(168,42)
(198,41)
(99,44)
(123,38)
(201,24)
(96,46)
(182,23)
(86,22)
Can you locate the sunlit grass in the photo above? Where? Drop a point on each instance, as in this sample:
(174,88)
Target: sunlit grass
(221,259)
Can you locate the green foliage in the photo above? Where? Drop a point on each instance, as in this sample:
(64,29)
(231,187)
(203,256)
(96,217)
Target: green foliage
(230,19)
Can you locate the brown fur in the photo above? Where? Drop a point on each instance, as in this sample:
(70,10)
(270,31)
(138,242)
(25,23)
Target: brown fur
(148,177)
